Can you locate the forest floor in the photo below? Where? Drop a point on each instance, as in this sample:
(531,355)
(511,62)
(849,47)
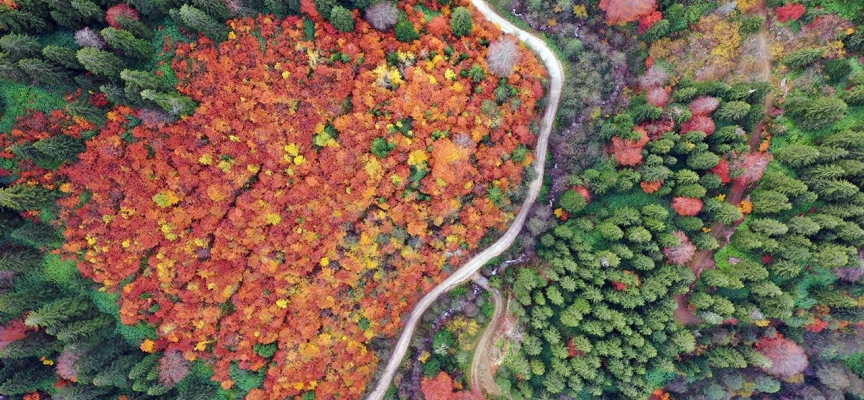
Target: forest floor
(703,259)
(465,272)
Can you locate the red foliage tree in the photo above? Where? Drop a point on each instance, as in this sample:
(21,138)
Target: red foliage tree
(787,357)
(622,11)
(123,10)
(65,366)
(172,368)
(753,164)
(651,187)
(658,97)
(687,206)
(648,20)
(683,252)
(722,170)
(629,152)
(441,388)
(584,192)
(700,123)
(790,12)
(704,105)
(13,331)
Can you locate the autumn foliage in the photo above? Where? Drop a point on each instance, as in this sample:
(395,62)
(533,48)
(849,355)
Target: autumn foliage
(790,12)
(629,152)
(787,357)
(687,206)
(441,388)
(623,11)
(321,186)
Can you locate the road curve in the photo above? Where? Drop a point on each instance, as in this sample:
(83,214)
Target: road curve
(463,274)
(481,373)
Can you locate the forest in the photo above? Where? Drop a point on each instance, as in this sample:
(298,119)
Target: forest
(226,199)
(710,247)
(233,196)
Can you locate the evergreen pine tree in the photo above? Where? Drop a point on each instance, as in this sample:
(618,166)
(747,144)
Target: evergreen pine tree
(63,148)
(19,259)
(58,311)
(136,27)
(24,377)
(100,62)
(20,20)
(63,56)
(460,22)
(35,344)
(138,81)
(18,46)
(117,374)
(25,197)
(173,103)
(342,19)
(38,235)
(854,96)
(732,111)
(324,7)
(200,21)
(815,114)
(405,31)
(42,72)
(127,43)
(88,10)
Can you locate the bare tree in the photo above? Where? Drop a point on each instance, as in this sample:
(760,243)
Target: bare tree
(503,55)
(382,16)
(89,38)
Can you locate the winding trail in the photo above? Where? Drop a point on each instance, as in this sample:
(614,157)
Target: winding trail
(464,273)
(481,368)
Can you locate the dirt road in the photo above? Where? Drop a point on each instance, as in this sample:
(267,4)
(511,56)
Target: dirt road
(464,273)
(481,364)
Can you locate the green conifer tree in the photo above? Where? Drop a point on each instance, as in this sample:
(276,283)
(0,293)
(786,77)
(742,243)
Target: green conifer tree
(63,56)
(18,46)
(138,81)
(342,19)
(26,197)
(200,21)
(128,44)
(461,22)
(42,72)
(173,103)
(100,62)
(88,10)
(38,235)
(136,27)
(405,31)
(58,311)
